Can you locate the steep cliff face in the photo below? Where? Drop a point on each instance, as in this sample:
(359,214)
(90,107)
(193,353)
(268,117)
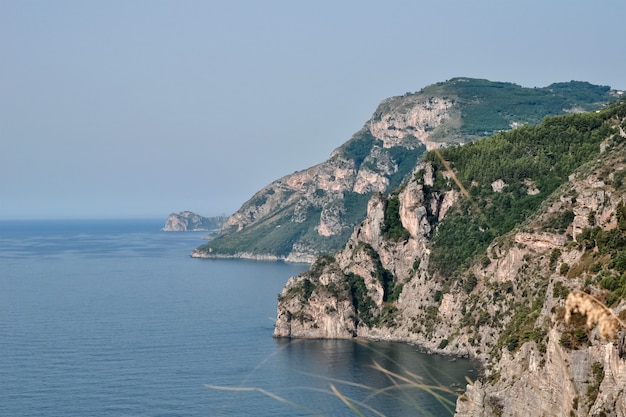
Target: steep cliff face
(407,272)
(564,369)
(363,285)
(314,211)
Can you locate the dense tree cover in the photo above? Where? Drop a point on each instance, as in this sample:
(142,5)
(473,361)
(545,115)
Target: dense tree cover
(544,153)
(539,156)
(488,106)
(581,91)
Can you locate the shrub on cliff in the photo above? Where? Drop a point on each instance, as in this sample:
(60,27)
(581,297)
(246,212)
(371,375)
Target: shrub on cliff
(545,154)
(392,227)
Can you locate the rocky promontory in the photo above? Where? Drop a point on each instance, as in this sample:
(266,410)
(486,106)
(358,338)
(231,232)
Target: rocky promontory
(187,221)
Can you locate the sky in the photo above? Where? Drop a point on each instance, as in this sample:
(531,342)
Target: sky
(140,108)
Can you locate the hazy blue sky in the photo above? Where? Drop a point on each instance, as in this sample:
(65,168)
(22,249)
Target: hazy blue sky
(123,108)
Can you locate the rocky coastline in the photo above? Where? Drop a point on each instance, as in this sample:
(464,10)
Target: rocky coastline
(507,309)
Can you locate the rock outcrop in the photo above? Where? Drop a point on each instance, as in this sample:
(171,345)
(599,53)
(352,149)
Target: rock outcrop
(506,304)
(314,211)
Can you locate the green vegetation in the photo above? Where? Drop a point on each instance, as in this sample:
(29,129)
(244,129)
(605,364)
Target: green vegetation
(391,288)
(545,154)
(392,227)
(470,283)
(359,147)
(555,255)
(559,222)
(593,389)
(608,248)
(363,304)
(522,328)
(405,159)
(575,338)
(605,258)
(488,107)
(559,290)
(279,235)
(308,288)
(318,266)
(355,206)
(354,289)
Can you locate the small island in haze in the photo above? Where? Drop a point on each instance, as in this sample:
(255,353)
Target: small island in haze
(187,221)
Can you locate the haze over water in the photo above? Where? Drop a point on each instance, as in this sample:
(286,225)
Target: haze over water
(113,318)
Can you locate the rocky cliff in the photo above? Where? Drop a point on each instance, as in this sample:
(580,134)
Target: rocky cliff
(314,211)
(187,221)
(509,250)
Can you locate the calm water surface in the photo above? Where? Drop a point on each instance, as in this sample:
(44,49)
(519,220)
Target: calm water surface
(113,318)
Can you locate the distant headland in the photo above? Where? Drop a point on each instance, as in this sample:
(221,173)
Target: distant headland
(187,221)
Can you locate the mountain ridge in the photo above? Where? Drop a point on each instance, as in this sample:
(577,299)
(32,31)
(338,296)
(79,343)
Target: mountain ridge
(312,212)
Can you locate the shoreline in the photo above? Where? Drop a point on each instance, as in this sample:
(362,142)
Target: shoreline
(292,258)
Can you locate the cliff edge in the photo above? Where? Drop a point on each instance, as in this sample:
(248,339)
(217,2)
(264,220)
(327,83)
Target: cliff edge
(509,250)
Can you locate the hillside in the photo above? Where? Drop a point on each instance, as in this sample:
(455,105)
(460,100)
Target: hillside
(507,250)
(314,211)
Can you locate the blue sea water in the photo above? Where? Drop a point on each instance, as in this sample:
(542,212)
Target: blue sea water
(113,318)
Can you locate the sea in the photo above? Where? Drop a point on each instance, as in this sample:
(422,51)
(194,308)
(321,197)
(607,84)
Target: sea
(114,318)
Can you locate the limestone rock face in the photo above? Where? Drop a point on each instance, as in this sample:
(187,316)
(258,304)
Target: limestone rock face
(175,223)
(318,315)
(498,185)
(414,117)
(367,254)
